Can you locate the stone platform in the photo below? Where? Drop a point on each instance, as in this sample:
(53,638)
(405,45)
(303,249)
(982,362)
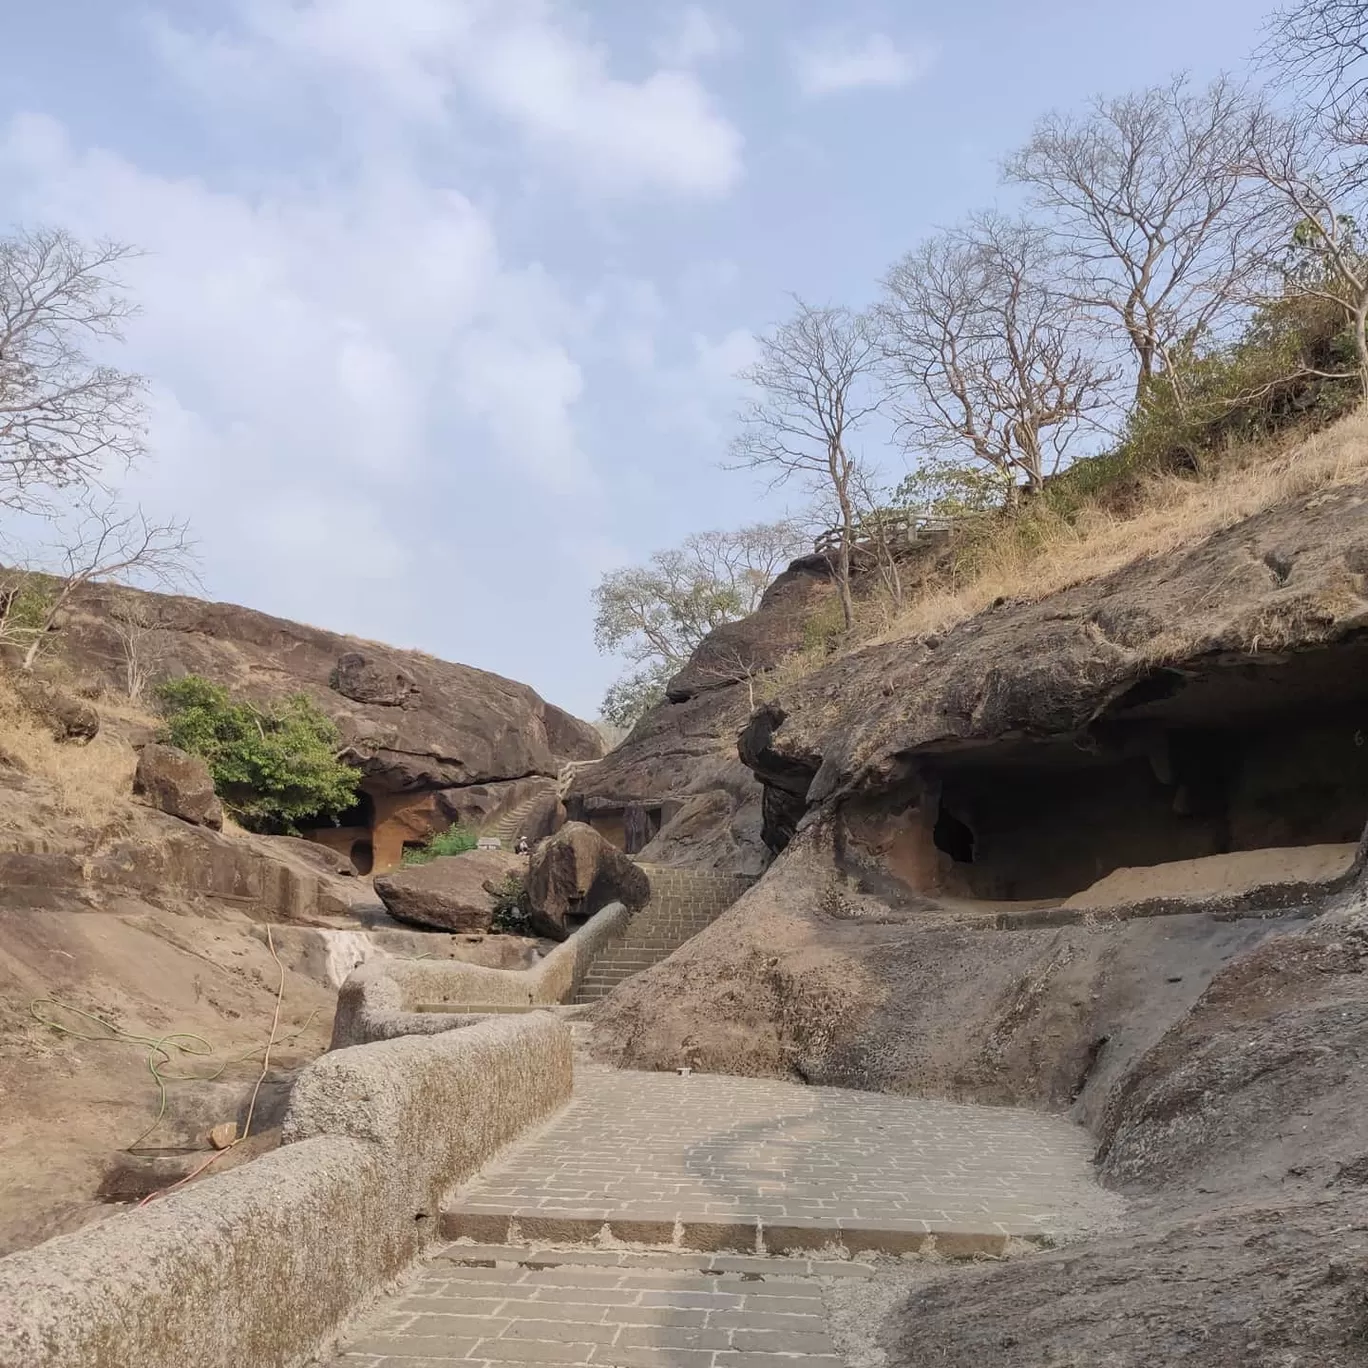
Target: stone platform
(753,1165)
(661,1221)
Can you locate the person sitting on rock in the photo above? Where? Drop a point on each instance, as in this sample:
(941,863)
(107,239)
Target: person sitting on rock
(522,847)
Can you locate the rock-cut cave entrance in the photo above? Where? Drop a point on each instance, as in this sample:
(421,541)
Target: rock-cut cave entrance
(1239,755)
(350,834)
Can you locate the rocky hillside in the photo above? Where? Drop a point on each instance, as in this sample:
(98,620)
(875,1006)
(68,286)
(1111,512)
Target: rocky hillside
(437,742)
(1096,851)
(134,932)
(681,759)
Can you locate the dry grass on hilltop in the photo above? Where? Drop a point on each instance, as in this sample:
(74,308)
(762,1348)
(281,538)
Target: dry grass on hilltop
(92,783)
(1174,513)
(1046,553)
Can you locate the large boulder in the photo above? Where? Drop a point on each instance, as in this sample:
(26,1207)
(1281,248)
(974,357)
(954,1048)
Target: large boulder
(448,894)
(364,679)
(70,718)
(574,874)
(410,722)
(178,784)
(681,757)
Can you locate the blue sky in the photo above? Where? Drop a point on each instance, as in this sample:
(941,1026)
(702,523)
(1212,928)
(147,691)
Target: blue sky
(443,299)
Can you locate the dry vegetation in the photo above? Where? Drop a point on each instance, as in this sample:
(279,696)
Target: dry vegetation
(1028,559)
(92,783)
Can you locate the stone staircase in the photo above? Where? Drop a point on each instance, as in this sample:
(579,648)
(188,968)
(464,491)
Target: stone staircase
(507,826)
(683,903)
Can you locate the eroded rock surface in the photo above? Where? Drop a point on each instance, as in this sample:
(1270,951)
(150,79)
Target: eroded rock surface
(453,893)
(574,874)
(178,784)
(681,763)
(412,722)
(960,908)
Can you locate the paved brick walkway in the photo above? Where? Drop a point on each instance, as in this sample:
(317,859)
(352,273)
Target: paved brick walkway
(822,1176)
(705,1161)
(492,1306)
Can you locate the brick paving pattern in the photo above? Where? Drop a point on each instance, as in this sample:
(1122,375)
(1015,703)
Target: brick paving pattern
(820,1176)
(637,1150)
(505,1306)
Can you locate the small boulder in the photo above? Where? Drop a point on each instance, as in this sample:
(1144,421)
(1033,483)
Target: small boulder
(448,894)
(71,718)
(178,784)
(575,873)
(365,680)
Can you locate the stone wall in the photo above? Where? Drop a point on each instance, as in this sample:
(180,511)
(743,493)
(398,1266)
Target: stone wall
(262,1265)
(384,999)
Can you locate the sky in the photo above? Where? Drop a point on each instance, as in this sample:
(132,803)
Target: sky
(442,301)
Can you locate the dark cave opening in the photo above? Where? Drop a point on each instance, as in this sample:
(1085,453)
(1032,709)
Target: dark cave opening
(1243,755)
(954,837)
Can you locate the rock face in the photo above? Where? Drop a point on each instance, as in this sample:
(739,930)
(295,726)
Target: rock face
(179,785)
(436,743)
(69,718)
(412,722)
(574,874)
(367,680)
(1135,671)
(959,907)
(680,763)
(448,894)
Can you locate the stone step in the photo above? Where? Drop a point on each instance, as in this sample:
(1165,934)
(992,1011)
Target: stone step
(828,1238)
(537,1256)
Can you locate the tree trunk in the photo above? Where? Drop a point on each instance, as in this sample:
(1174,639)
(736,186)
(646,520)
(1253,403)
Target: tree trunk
(843,583)
(843,561)
(1359,319)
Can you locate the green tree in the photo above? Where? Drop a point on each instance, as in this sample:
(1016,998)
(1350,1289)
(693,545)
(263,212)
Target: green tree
(656,614)
(273,767)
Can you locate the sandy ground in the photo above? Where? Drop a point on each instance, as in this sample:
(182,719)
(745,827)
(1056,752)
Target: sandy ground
(1218,876)
(70,1107)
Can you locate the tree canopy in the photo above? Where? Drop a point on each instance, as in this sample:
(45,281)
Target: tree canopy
(656,614)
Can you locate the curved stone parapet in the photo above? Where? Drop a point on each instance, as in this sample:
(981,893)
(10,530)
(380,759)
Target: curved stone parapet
(262,1265)
(386,998)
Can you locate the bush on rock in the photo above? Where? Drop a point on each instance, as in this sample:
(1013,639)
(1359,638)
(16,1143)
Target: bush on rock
(273,767)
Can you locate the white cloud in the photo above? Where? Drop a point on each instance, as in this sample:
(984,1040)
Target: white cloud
(525,62)
(375,411)
(312,349)
(694,36)
(830,64)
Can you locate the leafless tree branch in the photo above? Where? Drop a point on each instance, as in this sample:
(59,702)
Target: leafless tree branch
(65,419)
(815,391)
(1145,199)
(989,362)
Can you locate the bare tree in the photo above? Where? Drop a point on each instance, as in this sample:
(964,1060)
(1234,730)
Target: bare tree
(64,418)
(1143,194)
(139,644)
(1319,47)
(988,360)
(656,614)
(731,664)
(99,543)
(1313,203)
(815,392)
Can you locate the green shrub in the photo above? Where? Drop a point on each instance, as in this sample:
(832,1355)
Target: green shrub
(824,628)
(512,915)
(1217,398)
(455,840)
(273,767)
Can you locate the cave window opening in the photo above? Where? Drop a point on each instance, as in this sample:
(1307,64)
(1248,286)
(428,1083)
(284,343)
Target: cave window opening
(359,817)
(954,837)
(362,857)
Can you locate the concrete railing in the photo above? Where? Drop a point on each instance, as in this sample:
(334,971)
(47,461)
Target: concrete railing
(387,998)
(264,1264)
